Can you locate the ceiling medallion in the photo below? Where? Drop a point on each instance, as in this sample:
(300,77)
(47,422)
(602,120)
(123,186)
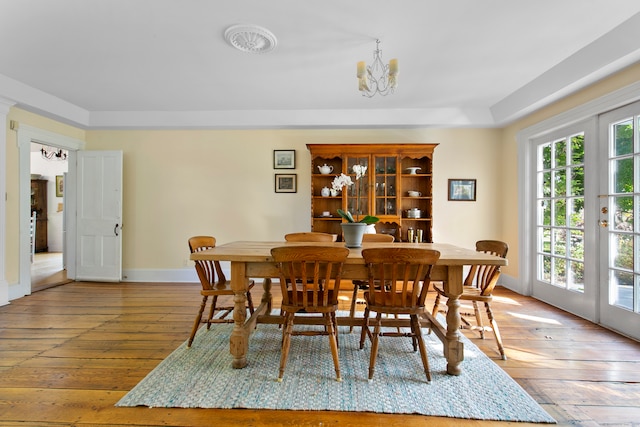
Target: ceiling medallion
(250,38)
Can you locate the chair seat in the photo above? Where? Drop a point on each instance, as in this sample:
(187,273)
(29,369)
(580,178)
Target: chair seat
(403,306)
(469,293)
(310,308)
(223,289)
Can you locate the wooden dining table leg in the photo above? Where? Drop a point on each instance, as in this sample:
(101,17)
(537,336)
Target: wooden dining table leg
(239,341)
(267,298)
(454,348)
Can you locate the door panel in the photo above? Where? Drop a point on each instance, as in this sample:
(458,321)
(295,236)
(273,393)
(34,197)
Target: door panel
(563,213)
(619,232)
(99,216)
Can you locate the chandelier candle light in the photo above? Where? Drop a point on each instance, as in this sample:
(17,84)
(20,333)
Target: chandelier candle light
(378,77)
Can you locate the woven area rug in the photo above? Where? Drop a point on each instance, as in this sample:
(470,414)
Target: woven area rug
(202,377)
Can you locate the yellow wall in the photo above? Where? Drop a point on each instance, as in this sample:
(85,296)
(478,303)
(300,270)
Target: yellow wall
(183,183)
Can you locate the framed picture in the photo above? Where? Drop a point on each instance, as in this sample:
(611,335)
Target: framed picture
(59,185)
(286,183)
(462,190)
(284,159)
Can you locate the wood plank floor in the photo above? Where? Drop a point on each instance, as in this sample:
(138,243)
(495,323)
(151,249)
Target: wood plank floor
(47,271)
(69,353)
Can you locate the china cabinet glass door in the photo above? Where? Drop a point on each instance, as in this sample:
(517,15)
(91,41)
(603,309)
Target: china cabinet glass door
(385,186)
(358,193)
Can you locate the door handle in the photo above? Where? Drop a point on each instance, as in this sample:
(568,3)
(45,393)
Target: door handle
(115,229)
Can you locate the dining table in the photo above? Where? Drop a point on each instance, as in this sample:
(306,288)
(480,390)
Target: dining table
(252,259)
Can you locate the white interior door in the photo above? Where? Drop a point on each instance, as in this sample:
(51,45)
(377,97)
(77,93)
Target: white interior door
(619,231)
(99,216)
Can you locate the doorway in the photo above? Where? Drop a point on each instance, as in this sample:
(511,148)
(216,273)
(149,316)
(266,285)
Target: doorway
(26,136)
(48,167)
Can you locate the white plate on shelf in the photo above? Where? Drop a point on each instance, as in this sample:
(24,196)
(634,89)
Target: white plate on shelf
(413,170)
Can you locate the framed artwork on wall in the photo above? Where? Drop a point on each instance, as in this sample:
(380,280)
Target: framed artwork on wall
(463,190)
(286,182)
(59,185)
(284,159)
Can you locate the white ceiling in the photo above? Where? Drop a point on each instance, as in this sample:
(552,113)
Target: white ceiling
(165,63)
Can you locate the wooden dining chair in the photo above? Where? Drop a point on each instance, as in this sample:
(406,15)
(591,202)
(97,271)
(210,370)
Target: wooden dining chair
(363,284)
(309,281)
(404,275)
(310,236)
(478,287)
(214,284)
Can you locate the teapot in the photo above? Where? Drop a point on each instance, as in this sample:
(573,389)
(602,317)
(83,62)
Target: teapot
(325,192)
(325,169)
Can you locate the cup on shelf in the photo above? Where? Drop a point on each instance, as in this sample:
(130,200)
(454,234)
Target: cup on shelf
(326,213)
(413,193)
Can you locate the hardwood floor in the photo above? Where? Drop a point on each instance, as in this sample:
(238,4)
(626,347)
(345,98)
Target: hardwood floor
(47,271)
(69,353)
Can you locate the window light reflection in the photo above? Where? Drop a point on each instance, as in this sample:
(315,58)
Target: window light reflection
(534,318)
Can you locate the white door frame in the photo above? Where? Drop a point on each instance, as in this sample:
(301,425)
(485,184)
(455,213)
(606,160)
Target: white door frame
(25,136)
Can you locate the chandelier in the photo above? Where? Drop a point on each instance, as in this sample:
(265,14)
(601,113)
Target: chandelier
(378,77)
(53,154)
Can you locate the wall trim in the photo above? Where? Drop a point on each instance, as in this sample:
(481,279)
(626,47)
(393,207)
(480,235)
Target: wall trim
(163,275)
(5,106)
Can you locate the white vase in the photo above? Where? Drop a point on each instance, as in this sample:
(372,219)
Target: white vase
(352,233)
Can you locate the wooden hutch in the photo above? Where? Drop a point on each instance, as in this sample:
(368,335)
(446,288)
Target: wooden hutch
(39,206)
(384,190)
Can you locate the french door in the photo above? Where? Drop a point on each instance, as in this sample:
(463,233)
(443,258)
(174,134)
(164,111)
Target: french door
(564,272)
(619,232)
(587,241)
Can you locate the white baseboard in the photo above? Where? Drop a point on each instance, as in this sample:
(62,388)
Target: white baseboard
(511,283)
(149,275)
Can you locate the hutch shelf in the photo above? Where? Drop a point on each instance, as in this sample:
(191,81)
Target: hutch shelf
(397,187)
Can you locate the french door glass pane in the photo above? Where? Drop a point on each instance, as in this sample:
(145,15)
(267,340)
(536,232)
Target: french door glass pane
(576,219)
(576,282)
(624,237)
(621,289)
(623,172)
(358,194)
